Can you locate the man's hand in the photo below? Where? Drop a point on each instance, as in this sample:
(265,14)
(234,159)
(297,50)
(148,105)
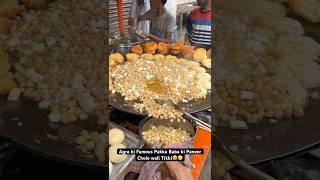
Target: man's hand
(174,169)
(187,38)
(144,35)
(131,30)
(209,53)
(154,37)
(179,171)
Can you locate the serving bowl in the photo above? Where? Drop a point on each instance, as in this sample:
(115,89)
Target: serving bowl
(147,123)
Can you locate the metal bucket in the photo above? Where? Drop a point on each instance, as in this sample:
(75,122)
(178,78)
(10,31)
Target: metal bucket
(122,46)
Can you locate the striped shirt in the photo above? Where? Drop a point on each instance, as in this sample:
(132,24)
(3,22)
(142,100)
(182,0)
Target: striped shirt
(199,28)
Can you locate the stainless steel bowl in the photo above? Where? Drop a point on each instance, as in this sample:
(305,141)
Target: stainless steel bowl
(189,126)
(122,46)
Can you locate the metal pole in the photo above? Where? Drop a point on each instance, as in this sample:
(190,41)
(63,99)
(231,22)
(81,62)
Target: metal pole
(120,17)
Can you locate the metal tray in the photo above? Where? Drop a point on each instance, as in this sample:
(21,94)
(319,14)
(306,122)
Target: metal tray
(131,141)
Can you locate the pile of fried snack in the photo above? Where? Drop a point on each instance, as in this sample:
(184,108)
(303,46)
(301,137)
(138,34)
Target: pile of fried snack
(150,73)
(56,56)
(116,141)
(8,12)
(265,66)
(7,82)
(157,135)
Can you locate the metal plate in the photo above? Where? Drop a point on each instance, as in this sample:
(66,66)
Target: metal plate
(38,135)
(289,137)
(132,141)
(117,100)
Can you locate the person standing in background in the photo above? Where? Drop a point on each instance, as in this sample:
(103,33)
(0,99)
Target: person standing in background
(171,7)
(199,25)
(138,8)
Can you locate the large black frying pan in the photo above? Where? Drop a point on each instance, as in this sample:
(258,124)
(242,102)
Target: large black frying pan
(117,101)
(288,137)
(27,127)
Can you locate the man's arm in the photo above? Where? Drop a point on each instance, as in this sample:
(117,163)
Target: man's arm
(168,38)
(189,29)
(133,15)
(146,16)
(187,38)
(133,8)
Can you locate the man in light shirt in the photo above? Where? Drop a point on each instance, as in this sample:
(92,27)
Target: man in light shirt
(162,23)
(138,8)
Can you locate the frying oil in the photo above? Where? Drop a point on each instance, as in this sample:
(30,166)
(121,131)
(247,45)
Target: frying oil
(155,85)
